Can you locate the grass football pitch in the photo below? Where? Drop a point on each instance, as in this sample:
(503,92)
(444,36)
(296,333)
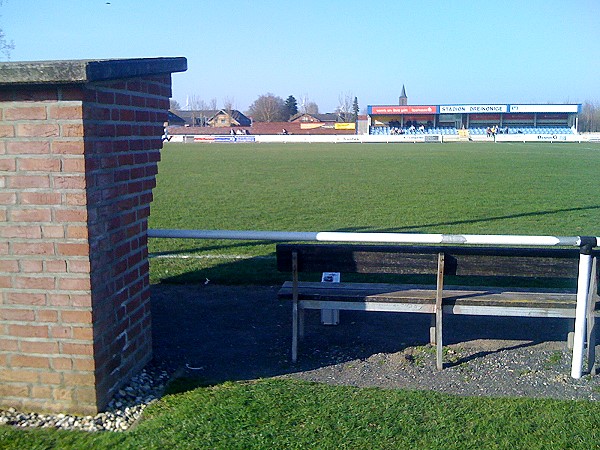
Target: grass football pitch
(528,189)
(462,188)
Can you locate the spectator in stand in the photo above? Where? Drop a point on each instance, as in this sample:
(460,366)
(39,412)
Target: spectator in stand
(422,128)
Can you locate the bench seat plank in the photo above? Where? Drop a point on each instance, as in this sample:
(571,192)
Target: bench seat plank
(359,292)
(457,300)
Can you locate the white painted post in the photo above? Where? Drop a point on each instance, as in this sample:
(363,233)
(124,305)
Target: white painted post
(583,287)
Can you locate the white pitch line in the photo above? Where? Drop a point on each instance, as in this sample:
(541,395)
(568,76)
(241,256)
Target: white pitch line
(184,256)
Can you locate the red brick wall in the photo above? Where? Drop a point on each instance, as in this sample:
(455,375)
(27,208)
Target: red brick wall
(77,168)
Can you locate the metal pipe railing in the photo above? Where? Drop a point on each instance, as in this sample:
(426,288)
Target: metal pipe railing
(398,238)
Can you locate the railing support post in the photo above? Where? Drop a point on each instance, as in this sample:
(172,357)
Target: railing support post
(583,287)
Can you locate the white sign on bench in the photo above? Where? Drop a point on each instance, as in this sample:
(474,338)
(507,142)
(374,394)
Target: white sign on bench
(330,316)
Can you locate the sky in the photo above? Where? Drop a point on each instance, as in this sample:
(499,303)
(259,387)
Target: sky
(443,52)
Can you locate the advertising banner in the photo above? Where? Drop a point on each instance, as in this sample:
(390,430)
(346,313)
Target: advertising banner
(310,125)
(421,109)
(450,109)
(234,139)
(345,126)
(544,108)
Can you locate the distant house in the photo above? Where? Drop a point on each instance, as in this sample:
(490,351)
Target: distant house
(196,117)
(315,118)
(213,118)
(175,120)
(229,118)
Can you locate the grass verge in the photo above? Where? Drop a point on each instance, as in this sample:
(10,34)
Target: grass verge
(278,414)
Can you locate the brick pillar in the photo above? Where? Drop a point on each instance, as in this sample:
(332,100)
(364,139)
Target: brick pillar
(79,147)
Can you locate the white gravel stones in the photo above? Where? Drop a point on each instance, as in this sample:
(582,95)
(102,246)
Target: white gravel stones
(121,413)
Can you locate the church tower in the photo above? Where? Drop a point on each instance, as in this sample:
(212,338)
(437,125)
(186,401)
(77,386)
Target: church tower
(403,101)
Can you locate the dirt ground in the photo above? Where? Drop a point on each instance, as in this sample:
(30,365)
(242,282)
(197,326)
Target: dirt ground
(219,333)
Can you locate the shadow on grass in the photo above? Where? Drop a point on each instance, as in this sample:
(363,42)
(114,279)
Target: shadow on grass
(219,333)
(468,221)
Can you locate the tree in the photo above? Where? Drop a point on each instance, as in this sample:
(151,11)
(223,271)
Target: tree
(174,105)
(199,108)
(268,108)
(312,108)
(307,106)
(589,119)
(291,106)
(5,45)
(355,110)
(228,104)
(345,107)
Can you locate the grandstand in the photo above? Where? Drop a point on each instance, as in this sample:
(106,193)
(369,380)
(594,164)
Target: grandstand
(474,120)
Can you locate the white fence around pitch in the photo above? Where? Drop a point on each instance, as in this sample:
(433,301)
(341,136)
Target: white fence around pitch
(367,138)
(586,243)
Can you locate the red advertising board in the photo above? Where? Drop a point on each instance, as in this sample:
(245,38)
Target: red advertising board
(421,109)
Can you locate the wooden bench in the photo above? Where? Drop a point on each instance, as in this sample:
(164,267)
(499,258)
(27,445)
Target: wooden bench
(490,268)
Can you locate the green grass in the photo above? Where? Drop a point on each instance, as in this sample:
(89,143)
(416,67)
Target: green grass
(272,414)
(450,188)
(545,189)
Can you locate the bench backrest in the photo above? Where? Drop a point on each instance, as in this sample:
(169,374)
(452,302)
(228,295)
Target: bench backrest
(423,260)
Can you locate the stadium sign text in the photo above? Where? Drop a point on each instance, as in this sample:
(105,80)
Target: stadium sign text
(446,109)
(425,109)
(544,108)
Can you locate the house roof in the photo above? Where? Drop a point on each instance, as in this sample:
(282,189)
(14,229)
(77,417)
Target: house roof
(327,117)
(209,114)
(174,119)
(235,114)
(187,114)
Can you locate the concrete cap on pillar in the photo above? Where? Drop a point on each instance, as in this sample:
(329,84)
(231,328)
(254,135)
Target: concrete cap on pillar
(85,71)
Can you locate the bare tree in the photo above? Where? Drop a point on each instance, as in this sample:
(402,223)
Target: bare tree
(345,110)
(312,108)
(6,46)
(307,106)
(589,119)
(268,108)
(228,104)
(198,108)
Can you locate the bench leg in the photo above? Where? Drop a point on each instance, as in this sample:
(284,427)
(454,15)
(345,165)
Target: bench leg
(432,332)
(439,311)
(301,323)
(439,362)
(295,331)
(294,307)
(570,340)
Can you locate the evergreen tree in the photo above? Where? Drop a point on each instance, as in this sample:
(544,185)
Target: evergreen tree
(291,106)
(355,109)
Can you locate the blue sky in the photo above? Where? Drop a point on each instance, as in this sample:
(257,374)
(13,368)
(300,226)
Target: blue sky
(443,51)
